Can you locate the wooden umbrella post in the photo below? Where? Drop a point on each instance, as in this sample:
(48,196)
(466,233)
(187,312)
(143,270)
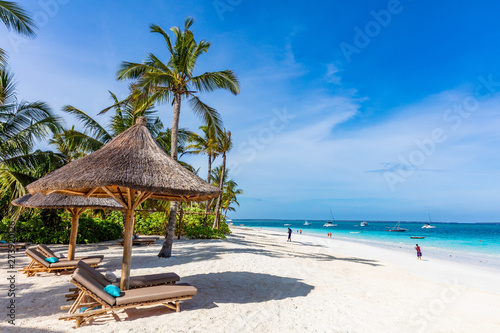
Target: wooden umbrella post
(127,249)
(75,213)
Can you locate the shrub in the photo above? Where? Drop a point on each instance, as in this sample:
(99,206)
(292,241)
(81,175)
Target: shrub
(55,228)
(151,224)
(192,226)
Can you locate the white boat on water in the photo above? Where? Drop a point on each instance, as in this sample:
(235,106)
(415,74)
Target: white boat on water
(428,225)
(286,224)
(364,224)
(330,223)
(397,228)
(307,223)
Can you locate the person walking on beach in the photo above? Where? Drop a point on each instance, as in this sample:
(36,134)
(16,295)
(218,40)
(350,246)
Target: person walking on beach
(419,252)
(289,235)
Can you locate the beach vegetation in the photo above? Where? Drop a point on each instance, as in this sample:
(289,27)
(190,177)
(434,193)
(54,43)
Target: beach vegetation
(174,80)
(53,226)
(23,125)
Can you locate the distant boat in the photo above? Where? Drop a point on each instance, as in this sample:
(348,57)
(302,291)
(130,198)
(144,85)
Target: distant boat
(330,223)
(428,225)
(397,228)
(307,223)
(417,237)
(355,232)
(364,224)
(286,224)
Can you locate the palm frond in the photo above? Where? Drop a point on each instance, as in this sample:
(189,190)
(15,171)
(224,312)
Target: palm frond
(16,18)
(211,81)
(209,115)
(89,124)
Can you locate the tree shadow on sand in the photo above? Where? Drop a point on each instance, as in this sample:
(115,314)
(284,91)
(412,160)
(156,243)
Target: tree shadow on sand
(242,288)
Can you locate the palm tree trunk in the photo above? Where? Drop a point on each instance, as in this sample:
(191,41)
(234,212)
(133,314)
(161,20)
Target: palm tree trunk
(208,181)
(166,249)
(219,198)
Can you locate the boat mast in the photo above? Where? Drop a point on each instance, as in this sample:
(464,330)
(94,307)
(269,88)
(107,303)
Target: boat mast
(331,214)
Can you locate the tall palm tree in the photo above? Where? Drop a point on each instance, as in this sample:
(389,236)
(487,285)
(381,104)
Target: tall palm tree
(21,125)
(17,19)
(174,81)
(206,144)
(224,146)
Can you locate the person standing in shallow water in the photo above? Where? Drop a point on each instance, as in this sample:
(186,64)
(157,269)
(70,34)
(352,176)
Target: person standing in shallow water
(419,252)
(289,235)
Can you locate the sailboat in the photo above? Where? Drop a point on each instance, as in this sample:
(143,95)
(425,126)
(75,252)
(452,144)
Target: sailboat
(330,223)
(307,223)
(397,228)
(428,225)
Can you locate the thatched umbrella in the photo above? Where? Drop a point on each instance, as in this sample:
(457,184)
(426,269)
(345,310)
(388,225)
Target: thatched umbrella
(130,168)
(75,205)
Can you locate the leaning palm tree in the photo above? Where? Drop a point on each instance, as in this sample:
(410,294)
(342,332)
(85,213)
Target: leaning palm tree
(22,124)
(17,19)
(224,146)
(173,81)
(229,196)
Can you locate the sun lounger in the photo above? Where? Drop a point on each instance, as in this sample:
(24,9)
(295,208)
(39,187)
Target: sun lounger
(17,246)
(38,263)
(139,281)
(142,240)
(47,252)
(92,289)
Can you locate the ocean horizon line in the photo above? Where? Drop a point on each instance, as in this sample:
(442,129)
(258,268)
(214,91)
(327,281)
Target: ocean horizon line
(370,221)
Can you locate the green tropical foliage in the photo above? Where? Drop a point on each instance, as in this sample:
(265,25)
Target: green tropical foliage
(15,18)
(22,124)
(54,227)
(25,124)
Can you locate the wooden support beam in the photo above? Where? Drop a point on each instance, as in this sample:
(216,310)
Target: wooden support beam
(124,204)
(89,193)
(145,196)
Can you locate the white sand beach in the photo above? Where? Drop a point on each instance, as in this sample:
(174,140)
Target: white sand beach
(254,281)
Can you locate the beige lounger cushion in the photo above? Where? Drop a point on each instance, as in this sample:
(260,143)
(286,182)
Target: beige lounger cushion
(46,250)
(134,281)
(16,245)
(40,258)
(83,277)
(155,293)
(150,280)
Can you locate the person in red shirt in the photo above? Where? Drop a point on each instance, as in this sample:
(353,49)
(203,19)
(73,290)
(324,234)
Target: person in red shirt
(419,252)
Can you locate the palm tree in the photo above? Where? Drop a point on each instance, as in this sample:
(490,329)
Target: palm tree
(224,146)
(173,81)
(21,125)
(15,18)
(229,196)
(206,144)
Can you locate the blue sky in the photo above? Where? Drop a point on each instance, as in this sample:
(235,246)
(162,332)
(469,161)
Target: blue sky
(382,110)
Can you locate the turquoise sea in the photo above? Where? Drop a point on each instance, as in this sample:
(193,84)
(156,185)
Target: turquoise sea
(481,239)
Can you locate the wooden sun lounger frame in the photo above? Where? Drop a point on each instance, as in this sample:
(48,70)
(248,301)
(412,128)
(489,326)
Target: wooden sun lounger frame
(17,246)
(75,292)
(84,317)
(35,267)
(148,242)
